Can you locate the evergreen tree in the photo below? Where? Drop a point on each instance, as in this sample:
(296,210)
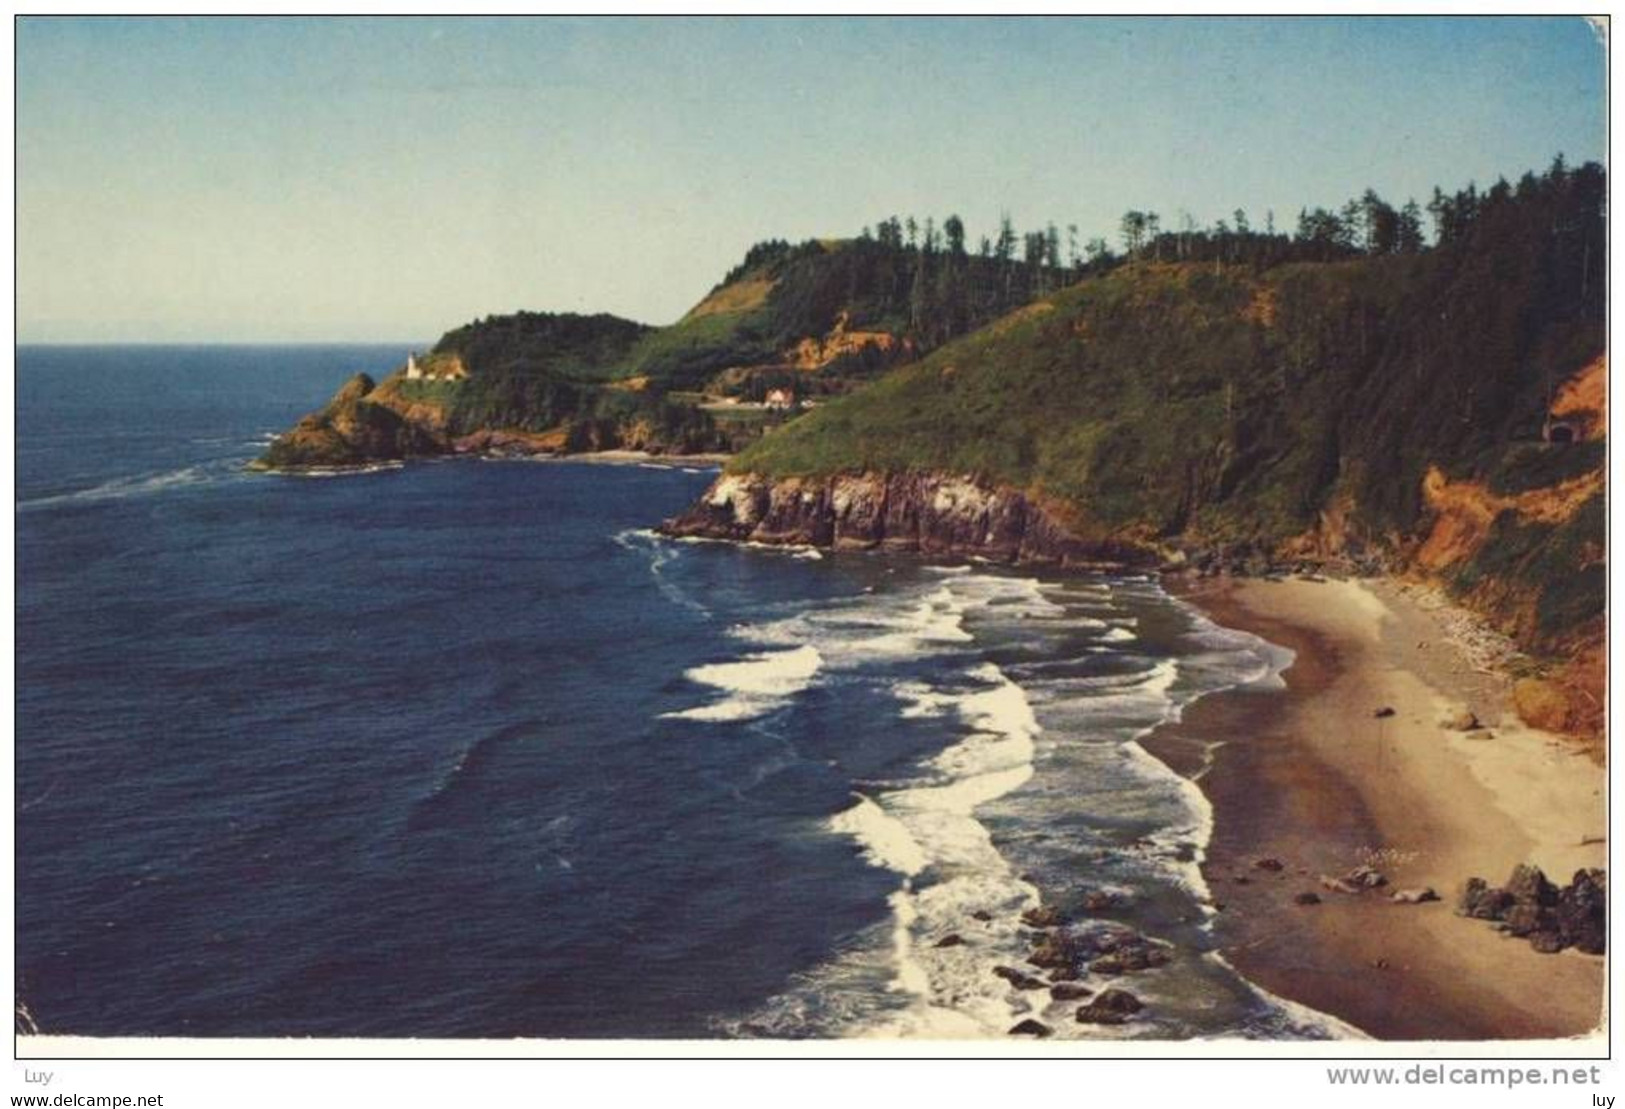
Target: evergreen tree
(1409,235)
(1132,229)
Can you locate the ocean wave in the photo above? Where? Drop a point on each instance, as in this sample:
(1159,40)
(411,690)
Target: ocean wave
(1232,657)
(1286,1019)
(660,554)
(997,595)
(870,628)
(883,839)
(127,487)
(756,684)
(1102,695)
(470,766)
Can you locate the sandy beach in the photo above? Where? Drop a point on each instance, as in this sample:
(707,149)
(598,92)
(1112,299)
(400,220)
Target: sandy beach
(631,457)
(1311,776)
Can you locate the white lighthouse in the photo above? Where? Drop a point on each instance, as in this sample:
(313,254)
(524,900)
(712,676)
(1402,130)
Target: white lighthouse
(412,371)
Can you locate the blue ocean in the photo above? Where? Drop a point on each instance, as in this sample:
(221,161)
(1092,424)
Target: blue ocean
(464,749)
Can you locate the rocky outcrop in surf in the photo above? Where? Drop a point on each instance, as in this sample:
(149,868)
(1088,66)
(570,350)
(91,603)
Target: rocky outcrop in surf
(926,513)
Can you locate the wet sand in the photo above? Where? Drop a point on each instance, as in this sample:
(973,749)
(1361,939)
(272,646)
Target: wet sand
(1312,777)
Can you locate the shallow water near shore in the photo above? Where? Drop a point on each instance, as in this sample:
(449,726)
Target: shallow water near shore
(467,750)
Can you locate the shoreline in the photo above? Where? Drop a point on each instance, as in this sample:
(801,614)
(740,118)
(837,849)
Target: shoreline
(1312,777)
(603,458)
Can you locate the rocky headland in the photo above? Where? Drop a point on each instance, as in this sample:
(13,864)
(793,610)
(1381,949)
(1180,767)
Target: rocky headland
(929,514)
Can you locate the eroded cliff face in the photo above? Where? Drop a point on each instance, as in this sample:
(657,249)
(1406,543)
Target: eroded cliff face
(925,513)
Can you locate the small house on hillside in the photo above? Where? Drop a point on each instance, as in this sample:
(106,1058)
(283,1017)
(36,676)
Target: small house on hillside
(779,400)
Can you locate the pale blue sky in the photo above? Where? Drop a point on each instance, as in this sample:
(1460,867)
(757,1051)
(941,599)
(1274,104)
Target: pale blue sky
(252,180)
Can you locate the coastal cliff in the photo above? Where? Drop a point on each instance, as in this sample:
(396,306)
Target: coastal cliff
(923,513)
(1439,416)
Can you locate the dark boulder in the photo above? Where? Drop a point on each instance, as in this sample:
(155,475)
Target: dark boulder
(1111,1007)
(1042,916)
(1142,955)
(1020,980)
(1031,1027)
(1070,991)
(1054,951)
(1111,948)
(952,939)
(1274,865)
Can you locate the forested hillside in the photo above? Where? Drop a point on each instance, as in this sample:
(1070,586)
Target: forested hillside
(1437,408)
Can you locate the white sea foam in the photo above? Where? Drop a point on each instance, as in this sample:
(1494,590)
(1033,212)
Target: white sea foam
(869,628)
(921,700)
(932,828)
(884,840)
(1244,659)
(756,684)
(1138,696)
(1005,596)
